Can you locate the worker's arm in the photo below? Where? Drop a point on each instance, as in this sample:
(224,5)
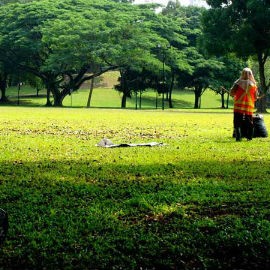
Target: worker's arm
(233,90)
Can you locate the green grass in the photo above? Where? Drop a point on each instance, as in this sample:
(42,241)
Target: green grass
(110,98)
(199,202)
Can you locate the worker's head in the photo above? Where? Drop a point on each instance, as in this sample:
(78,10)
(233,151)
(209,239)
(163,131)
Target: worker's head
(247,75)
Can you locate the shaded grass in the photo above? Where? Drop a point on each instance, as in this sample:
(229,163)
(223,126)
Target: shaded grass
(200,202)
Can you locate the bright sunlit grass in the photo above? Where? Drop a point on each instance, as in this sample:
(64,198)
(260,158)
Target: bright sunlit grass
(110,98)
(201,199)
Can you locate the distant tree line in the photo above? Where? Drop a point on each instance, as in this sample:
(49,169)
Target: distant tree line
(60,44)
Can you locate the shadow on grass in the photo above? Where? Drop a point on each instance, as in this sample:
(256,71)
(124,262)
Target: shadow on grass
(90,215)
(24,102)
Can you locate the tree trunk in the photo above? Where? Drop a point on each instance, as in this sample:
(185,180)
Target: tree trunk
(227,101)
(170,91)
(49,85)
(136,99)
(261,103)
(58,99)
(140,99)
(124,101)
(123,85)
(3,88)
(197,101)
(198,93)
(52,87)
(222,100)
(90,93)
(48,102)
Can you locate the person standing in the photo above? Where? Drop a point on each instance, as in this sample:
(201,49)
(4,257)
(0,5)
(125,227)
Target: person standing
(244,91)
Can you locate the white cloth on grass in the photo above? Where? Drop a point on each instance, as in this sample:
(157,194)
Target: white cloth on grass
(109,144)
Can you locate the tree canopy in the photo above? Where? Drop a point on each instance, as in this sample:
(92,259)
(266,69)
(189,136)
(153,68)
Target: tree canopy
(62,41)
(204,70)
(66,42)
(245,31)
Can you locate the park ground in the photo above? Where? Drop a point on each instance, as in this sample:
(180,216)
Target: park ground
(201,201)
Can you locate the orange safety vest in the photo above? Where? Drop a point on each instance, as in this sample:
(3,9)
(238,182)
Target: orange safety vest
(244,102)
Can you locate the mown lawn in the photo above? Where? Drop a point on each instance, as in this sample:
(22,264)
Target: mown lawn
(199,202)
(110,98)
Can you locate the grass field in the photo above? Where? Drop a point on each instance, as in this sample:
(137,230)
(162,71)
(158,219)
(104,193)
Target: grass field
(106,97)
(199,202)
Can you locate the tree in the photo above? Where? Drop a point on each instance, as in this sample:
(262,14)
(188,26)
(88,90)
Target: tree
(168,53)
(172,57)
(160,58)
(66,42)
(8,75)
(34,82)
(204,74)
(3,86)
(76,49)
(4,76)
(138,41)
(245,30)
(225,77)
(201,70)
(21,38)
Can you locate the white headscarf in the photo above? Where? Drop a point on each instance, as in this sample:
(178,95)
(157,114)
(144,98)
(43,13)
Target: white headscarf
(246,79)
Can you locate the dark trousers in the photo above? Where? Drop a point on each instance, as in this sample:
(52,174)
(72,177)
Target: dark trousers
(244,123)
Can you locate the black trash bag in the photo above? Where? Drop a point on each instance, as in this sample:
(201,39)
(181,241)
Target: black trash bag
(3,225)
(259,127)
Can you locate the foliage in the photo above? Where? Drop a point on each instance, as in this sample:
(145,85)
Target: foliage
(200,202)
(157,59)
(4,2)
(245,30)
(60,41)
(203,70)
(124,1)
(224,77)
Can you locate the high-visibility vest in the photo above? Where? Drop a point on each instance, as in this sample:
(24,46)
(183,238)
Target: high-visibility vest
(244,101)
